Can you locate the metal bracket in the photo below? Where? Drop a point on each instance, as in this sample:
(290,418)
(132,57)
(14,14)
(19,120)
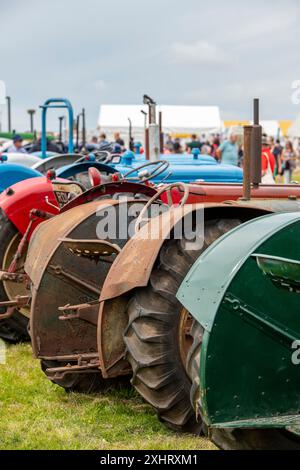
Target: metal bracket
(20,301)
(84,363)
(19,278)
(87,312)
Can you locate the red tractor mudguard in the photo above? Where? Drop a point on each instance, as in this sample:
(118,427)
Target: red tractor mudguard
(36,193)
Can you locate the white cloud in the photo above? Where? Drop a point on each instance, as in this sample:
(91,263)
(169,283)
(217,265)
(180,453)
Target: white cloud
(198,53)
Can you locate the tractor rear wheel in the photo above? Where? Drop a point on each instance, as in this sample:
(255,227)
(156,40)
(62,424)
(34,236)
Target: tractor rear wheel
(233,439)
(158,336)
(15,328)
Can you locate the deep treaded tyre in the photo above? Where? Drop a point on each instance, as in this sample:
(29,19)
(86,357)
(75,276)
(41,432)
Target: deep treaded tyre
(14,329)
(158,333)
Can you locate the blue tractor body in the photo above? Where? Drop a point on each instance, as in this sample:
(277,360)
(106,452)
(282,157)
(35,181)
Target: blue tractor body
(11,173)
(186,169)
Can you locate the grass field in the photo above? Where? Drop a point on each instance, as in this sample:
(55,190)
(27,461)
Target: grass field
(35,414)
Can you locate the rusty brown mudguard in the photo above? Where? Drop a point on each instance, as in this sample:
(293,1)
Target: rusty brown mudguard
(67,324)
(133,267)
(67,265)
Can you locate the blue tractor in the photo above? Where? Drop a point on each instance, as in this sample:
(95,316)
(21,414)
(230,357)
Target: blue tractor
(195,168)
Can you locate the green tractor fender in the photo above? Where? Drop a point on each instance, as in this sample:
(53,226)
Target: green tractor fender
(248,305)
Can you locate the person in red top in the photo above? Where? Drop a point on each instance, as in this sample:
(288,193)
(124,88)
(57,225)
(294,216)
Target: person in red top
(267,161)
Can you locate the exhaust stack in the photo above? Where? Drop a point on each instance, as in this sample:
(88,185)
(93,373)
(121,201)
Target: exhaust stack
(153,130)
(252,153)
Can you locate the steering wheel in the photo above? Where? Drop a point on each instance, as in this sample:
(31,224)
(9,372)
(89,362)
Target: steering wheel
(160,167)
(101,155)
(165,189)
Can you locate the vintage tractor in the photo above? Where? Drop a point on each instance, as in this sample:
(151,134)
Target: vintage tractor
(26,204)
(67,263)
(145,278)
(244,361)
(185,169)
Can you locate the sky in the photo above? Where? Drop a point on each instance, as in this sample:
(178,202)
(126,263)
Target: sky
(190,52)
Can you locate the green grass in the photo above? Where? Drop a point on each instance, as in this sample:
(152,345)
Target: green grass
(35,414)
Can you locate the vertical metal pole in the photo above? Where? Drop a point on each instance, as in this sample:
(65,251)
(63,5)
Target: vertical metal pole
(8,99)
(256,147)
(247,163)
(77,130)
(60,136)
(31,123)
(71,124)
(256,111)
(161,135)
(83,129)
(154,137)
(31,113)
(44,136)
(130,134)
(147,144)
(152,113)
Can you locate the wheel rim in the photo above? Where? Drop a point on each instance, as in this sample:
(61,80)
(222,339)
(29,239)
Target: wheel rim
(185,337)
(12,289)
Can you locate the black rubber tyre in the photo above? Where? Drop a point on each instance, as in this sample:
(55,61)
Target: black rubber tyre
(85,382)
(153,337)
(14,329)
(233,439)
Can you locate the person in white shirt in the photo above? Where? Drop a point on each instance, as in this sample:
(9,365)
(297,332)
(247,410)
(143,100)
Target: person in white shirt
(17,146)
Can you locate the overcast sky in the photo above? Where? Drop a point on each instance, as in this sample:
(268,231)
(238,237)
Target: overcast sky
(178,51)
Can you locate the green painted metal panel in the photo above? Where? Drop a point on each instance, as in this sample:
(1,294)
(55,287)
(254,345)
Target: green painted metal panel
(249,376)
(203,289)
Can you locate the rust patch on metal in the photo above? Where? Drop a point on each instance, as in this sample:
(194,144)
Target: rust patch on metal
(65,294)
(133,266)
(45,239)
(112,323)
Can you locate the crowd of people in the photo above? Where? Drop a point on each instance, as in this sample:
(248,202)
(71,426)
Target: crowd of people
(279,158)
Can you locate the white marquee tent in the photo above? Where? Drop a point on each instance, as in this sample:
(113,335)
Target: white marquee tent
(180,120)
